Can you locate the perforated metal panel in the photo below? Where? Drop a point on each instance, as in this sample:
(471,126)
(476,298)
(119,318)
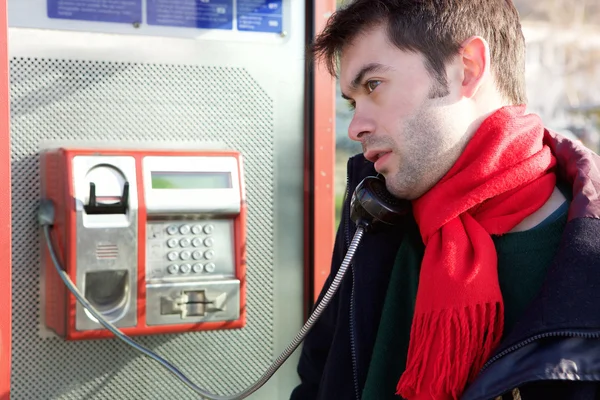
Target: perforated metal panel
(112,102)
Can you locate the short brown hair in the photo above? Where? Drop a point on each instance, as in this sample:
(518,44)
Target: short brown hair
(436,28)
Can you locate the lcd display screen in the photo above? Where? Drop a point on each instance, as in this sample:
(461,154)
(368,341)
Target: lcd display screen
(190,180)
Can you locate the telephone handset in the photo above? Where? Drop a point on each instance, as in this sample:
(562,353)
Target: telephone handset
(372,204)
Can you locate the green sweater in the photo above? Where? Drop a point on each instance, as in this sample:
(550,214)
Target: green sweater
(523,258)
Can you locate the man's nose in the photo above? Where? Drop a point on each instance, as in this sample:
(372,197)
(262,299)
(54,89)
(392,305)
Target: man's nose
(359,127)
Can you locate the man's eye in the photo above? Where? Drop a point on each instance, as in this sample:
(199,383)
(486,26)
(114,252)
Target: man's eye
(372,85)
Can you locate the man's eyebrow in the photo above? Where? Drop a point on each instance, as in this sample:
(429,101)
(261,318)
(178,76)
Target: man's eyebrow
(373,67)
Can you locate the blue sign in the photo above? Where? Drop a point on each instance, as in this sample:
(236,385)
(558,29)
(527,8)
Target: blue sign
(260,15)
(206,14)
(123,11)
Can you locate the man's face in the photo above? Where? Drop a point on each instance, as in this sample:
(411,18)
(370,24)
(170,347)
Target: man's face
(412,127)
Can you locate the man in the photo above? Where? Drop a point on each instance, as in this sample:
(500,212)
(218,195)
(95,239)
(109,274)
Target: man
(491,288)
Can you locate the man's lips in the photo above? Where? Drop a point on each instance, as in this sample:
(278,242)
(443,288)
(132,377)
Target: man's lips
(378,157)
(374,155)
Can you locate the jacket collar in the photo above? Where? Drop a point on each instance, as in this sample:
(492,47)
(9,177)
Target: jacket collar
(580,167)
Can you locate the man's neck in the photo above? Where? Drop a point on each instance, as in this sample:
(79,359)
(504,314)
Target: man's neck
(554,202)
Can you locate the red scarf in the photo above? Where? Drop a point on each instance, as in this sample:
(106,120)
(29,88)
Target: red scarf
(504,175)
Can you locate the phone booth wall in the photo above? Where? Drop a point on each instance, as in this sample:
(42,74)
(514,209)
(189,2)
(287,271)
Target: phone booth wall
(167,75)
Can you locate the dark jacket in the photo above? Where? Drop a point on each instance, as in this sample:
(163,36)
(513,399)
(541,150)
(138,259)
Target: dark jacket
(552,353)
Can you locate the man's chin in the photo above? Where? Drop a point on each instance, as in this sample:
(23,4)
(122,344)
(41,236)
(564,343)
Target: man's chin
(400,189)
(397,191)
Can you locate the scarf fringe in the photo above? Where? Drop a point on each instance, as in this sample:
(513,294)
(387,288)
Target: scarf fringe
(461,345)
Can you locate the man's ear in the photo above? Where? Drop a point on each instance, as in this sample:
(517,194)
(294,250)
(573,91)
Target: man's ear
(475,58)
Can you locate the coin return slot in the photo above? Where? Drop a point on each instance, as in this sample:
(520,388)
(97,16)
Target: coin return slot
(108,292)
(193,303)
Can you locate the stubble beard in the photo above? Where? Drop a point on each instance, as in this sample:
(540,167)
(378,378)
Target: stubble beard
(426,158)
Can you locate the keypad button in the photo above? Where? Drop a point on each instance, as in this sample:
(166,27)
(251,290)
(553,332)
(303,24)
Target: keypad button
(208,229)
(197,255)
(172,255)
(208,242)
(184,229)
(209,254)
(197,268)
(172,230)
(196,242)
(185,255)
(184,242)
(185,268)
(210,267)
(196,229)
(173,269)
(172,242)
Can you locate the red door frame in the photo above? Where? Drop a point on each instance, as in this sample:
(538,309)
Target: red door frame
(324,159)
(319,233)
(5,211)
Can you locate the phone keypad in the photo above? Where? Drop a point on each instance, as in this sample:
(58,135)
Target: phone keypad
(178,249)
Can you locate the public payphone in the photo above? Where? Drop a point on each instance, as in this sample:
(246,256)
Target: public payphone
(154,239)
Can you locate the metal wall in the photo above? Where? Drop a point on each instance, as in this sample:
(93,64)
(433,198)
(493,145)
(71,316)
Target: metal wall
(160,89)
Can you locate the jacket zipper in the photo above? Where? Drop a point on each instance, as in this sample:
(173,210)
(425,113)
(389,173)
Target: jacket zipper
(584,335)
(352,327)
(353,341)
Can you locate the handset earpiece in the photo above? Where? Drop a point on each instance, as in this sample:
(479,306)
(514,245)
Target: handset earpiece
(371,204)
